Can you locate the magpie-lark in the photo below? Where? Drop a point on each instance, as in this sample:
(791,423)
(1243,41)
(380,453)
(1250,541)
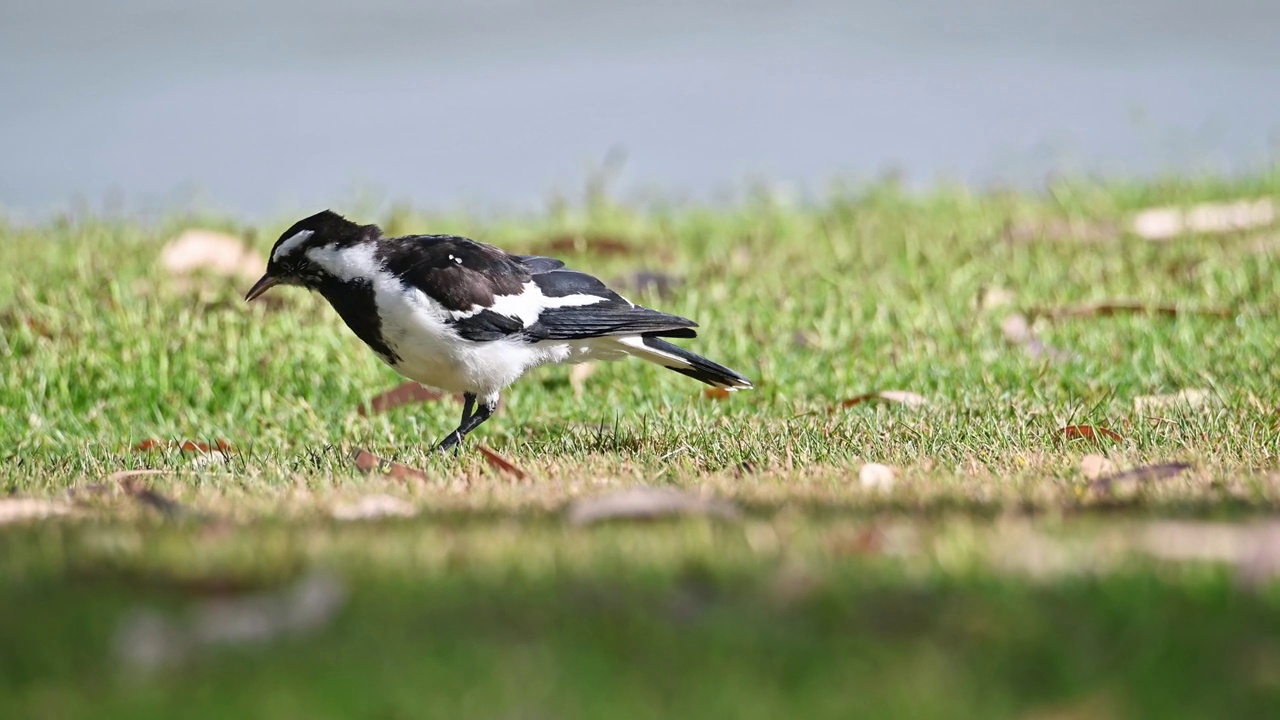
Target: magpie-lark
(466,317)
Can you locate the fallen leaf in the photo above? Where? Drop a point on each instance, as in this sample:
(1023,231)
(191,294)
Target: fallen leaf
(1160,223)
(578,375)
(150,641)
(1094,466)
(644,282)
(804,340)
(1164,223)
(1180,399)
(647,503)
(1060,229)
(1107,309)
(874,476)
(367,462)
(1137,475)
(81,493)
(402,394)
(1195,541)
(793,582)
(39,328)
(1017,331)
(15,509)
(1088,432)
(865,540)
(123,475)
(1098,706)
(144,495)
(900,397)
(197,250)
(500,463)
(1262,565)
(371,507)
(184,445)
(990,298)
(579,243)
(716,393)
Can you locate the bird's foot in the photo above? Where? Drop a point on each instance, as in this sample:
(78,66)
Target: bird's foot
(453,441)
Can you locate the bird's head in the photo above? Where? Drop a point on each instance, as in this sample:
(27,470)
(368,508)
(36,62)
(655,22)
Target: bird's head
(294,259)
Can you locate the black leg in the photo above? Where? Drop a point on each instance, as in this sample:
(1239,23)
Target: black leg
(473,414)
(468,409)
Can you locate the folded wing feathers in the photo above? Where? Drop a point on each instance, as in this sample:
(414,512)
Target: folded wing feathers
(537,264)
(610,318)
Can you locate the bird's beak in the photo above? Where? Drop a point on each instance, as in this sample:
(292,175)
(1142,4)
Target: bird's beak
(266,283)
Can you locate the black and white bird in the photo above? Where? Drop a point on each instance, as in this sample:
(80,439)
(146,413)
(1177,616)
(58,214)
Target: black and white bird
(466,317)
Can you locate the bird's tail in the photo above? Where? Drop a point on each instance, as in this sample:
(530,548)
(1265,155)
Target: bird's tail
(674,357)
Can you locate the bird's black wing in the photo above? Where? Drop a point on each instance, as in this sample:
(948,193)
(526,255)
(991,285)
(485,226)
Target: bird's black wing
(478,285)
(461,275)
(537,264)
(456,272)
(593,310)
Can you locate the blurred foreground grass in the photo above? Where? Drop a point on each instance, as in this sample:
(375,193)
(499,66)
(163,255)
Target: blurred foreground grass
(990,579)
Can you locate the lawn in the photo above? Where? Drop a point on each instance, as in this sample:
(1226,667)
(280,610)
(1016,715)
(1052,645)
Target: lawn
(1073,521)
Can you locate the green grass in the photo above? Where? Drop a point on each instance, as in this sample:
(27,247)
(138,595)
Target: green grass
(487,605)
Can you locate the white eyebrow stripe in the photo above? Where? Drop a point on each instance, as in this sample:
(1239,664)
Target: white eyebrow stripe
(288,246)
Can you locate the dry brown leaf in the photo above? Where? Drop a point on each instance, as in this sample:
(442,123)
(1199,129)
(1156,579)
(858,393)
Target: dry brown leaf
(214,252)
(16,509)
(716,393)
(990,298)
(400,471)
(643,282)
(1107,309)
(874,476)
(1262,565)
(804,340)
(595,244)
(38,328)
(130,483)
(367,462)
(1100,706)
(1165,223)
(1017,331)
(899,397)
(121,476)
(150,641)
(372,507)
(1060,229)
(500,463)
(185,445)
(1088,432)
(402,394)
(1138,475)
(647,503)
(1182,399)
(1094,466)
(867,540)
(578,375)
(84,493)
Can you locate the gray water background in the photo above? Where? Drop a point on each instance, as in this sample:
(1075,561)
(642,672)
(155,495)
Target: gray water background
(283,106)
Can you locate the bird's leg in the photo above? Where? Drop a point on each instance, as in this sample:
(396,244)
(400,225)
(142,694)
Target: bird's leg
(473,414)
(468,409)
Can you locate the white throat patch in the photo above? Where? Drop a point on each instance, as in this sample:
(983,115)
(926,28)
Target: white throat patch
(289,245)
